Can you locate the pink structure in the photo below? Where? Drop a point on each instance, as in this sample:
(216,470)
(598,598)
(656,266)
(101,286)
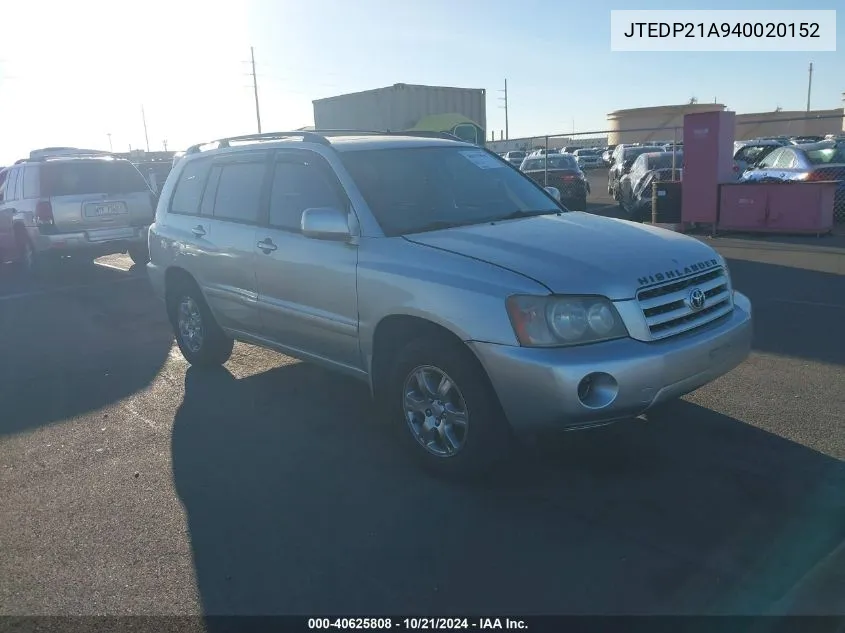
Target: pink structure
(805,207)
(708,162)
(712,196)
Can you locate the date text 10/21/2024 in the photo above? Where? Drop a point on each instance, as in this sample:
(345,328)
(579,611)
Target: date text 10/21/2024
(431,624)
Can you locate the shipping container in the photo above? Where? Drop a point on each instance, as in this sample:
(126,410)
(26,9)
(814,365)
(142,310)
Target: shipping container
(401,107)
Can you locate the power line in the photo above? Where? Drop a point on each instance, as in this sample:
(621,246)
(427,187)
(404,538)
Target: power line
(255,88)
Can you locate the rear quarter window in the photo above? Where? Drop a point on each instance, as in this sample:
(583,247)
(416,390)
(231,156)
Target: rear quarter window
(188,193)
(75,178)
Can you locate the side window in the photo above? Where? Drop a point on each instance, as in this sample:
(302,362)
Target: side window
(298,186)
(239,191)
(30,182)
(769,161)
(186,197)
(786,160)
(12,184)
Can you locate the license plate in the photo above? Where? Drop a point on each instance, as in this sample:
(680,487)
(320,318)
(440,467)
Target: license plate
(104,210)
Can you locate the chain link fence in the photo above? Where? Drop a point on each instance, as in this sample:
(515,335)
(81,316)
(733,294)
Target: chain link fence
(802,166)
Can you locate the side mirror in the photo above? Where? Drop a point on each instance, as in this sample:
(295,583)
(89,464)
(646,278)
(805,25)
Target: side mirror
(554,192)
(326,223)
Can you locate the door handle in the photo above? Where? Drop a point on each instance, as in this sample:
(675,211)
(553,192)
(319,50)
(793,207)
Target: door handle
(267,246)
(198,230)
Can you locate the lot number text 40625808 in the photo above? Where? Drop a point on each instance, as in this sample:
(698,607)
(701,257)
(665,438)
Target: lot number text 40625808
(418,624)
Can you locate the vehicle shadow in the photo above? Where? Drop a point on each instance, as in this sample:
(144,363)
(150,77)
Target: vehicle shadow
(76,341)
(797,312)
(299,502)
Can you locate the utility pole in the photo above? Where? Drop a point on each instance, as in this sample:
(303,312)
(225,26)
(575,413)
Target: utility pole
(146,138)
(505,99)
(255,88)
(809,86)
(111,149)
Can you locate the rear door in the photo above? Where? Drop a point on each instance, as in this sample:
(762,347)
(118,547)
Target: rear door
(97,196)
(235,198)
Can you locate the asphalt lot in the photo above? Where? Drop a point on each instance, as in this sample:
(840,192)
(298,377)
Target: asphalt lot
(132,484)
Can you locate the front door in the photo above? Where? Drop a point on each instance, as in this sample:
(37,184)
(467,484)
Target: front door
(306,287)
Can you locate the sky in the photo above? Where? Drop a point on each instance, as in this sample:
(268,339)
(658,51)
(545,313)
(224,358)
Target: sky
(73,73)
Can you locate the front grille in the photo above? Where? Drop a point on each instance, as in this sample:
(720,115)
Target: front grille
(667,308)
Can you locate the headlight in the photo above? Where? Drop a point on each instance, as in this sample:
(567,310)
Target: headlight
(554,321)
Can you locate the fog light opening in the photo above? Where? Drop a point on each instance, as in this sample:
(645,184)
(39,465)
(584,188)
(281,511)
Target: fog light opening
(597,390)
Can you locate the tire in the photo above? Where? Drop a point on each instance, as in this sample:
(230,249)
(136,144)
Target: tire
(139,254)
(457,450)
(577,204)
(199,337)
(30,262)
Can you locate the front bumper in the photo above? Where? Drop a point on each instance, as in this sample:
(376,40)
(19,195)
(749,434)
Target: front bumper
(539,387)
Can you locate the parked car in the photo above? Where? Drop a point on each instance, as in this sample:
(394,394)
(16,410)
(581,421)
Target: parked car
(748,153)
(515,157)
(635,187)
(623,160)
(473,306)
(76,204)
(564,174)
(8,249)
(801,163)
(588,158)
(569,149)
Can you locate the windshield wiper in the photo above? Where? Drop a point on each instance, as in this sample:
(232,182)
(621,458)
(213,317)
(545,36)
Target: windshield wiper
(439,224)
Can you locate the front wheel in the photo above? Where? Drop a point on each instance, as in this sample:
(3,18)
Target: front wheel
(450,417)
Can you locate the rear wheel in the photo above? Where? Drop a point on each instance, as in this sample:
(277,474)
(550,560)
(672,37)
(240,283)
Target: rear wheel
(199,337)
(450,418)
(30,262)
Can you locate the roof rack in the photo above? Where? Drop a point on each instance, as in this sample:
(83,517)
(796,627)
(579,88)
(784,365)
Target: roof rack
(313,136)
(306,136)
(418,133)
(38,155)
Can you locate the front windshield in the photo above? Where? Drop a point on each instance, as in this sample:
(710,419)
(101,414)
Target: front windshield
(415,189)
(554,161)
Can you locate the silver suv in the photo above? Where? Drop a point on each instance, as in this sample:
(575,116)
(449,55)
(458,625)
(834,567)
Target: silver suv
(472,303)
(67,202)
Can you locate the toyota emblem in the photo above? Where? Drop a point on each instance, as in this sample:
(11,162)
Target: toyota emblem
(697,298)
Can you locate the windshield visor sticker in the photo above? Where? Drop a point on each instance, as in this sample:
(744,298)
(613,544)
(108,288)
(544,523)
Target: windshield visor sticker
(482,159)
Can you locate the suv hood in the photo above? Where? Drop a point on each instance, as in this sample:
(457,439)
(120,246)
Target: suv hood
(578,253)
